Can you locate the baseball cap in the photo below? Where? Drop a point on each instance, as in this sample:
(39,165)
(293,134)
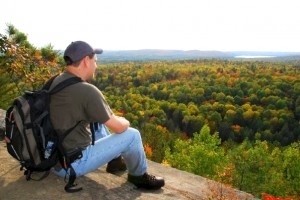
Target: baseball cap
(78,50)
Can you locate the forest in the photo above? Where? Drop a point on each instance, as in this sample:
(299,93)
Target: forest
(233,121)
(248,111)
(239,100)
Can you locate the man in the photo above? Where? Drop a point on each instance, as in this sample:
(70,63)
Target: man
(82,103)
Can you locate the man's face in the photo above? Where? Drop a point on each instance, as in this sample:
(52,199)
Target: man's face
(92,67)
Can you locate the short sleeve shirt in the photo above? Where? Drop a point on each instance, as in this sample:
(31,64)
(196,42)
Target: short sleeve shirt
(81,103)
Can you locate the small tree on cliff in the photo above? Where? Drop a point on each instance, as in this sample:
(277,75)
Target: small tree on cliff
(22,66)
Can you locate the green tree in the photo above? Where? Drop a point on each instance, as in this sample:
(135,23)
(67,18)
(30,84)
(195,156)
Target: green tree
(200,155)
(7,90)
(257,168)
(291,167)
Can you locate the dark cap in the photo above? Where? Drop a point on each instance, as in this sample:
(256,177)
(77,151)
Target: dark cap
(78,50)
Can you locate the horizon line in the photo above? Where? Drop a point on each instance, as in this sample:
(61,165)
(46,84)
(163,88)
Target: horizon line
(157,49)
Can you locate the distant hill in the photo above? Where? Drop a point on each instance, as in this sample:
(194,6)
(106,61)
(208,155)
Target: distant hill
(156,54)
(109,56)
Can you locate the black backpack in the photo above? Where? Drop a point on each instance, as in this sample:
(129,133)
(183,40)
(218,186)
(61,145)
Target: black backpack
(31,138)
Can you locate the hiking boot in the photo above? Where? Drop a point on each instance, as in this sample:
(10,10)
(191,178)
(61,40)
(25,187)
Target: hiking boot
(116,165)
(147,181)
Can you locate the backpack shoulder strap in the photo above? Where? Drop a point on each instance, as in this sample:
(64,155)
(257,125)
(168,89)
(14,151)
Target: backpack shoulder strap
(48,83)
(64,84)
(93,128)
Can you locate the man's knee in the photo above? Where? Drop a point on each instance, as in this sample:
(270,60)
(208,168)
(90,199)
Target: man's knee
(134,132)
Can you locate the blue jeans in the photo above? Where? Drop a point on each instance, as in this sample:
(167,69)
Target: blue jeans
(109,146)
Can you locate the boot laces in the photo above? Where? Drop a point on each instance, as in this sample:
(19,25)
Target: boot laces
(149,177)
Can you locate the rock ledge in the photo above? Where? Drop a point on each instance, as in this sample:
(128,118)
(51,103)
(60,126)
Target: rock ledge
(101,185)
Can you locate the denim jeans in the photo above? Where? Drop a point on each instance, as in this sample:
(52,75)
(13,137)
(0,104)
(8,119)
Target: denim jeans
(109,146)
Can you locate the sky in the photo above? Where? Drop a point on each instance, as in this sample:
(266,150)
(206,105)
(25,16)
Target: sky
(221,25)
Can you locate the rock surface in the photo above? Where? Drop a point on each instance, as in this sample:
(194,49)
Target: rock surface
(101,185)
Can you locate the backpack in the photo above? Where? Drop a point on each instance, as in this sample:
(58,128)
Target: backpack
(31,138)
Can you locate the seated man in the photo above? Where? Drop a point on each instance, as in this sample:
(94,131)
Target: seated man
(82,103)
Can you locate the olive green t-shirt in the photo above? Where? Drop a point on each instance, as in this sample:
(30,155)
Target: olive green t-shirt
(81,103)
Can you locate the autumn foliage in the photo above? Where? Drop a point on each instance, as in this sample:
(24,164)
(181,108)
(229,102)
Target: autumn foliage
(233,121)
(26,66)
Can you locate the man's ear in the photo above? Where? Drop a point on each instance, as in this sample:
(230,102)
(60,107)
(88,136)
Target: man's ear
(85,61)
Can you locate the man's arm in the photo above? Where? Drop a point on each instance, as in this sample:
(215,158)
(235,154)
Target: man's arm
(117,124)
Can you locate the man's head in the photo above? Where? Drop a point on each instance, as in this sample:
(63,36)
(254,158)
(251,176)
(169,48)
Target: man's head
(77,50)
(81,59)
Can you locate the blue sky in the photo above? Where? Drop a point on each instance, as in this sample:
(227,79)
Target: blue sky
(224,25)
